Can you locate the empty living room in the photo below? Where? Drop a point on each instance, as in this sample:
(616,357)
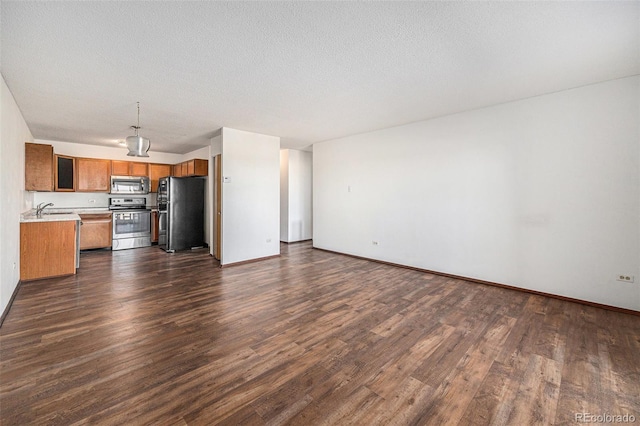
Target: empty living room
(408,213)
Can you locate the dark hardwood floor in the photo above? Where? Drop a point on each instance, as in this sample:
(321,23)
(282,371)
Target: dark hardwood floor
(144,337)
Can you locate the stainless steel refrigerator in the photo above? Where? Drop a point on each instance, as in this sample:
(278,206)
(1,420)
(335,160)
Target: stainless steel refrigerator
(181,213)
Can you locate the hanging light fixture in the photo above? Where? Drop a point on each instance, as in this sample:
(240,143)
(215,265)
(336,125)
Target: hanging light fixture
(137,145)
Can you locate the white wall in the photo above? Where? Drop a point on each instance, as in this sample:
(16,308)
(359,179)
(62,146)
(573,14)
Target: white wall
(295,195)
(202,153)
(542,193)
(284,195)
(13,199)
(250,196)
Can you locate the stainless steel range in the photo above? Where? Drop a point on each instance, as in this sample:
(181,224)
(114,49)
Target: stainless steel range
(131,223)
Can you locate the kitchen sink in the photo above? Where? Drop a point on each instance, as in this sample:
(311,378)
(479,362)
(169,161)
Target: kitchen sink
(50,213)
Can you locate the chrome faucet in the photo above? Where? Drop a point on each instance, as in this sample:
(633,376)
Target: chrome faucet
(41,208)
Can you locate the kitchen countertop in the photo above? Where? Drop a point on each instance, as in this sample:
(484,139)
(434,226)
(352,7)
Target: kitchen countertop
(55,217)
(61,214)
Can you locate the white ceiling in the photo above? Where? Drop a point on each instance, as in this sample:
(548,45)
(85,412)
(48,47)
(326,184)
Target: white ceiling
(304,71)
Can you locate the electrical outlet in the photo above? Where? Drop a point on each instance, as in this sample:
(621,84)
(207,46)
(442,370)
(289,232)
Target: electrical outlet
(14,265)
(92,200)
(375,243)
(268,240)
(625,278)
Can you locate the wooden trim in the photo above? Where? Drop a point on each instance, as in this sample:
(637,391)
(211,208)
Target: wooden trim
(494,284)
(217,207)
(244,262)
(8,307)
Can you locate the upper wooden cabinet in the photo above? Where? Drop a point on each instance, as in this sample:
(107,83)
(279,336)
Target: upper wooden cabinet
(93,175)
(195,167)
(129,168)
(139,169)
(119,168)
(156,171)
(64,172)
(198,167)
(38,171)
(46,171)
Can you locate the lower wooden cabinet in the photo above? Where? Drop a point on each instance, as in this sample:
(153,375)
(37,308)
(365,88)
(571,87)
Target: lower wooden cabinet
(155,224)
(95,231)
(47,249)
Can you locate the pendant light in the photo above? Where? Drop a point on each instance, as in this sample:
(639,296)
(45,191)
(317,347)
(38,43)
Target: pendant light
(137,145)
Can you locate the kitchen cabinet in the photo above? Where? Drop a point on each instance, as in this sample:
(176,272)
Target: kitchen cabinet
(92,175)
(155,225)
(95,231)
(129,168)
(156,171)
(198,167)
(138,169)
(119,168)
(47,249)
(38,170)
(64,173)
(195,167)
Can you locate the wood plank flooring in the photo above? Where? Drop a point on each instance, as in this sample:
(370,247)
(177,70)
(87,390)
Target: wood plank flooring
(144,337)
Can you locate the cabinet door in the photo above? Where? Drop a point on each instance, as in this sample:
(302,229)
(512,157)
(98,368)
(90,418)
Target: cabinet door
(138,169)
(155,219)
(93,174)
(64,172)
(38,170)
(47,249)
(176,170)
(191,167)
(201,167)
(119,168)
(184,169)
(156,171)
(95,231)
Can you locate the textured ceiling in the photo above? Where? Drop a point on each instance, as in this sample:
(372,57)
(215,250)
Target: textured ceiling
(304,71)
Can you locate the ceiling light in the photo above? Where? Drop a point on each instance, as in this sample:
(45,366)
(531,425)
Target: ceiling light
(137,145)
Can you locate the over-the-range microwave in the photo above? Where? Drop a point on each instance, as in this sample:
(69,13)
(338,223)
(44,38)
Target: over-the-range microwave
(127,185)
